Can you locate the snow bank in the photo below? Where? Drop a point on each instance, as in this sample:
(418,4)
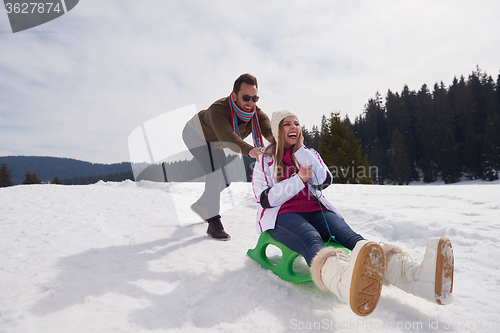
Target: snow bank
(112,257)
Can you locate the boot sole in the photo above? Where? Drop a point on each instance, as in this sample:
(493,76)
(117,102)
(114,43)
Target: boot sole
(219,239)
(444,270)
(367,279)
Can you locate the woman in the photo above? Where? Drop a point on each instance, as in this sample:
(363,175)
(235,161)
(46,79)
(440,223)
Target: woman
(287,184)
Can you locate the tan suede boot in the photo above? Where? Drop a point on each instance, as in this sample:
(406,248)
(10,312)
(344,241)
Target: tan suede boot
(432,279)
(356,280)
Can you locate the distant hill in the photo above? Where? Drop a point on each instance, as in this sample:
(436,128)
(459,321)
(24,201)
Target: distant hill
(71,170)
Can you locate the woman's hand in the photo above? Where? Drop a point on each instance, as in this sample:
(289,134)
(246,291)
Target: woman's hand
(305,173)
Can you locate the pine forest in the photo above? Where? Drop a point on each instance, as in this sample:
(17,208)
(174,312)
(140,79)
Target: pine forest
(434,134)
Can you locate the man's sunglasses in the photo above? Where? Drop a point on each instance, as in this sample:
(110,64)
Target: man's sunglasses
(247,98)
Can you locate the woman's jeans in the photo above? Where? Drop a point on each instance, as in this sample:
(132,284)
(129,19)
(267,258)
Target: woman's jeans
(306,233)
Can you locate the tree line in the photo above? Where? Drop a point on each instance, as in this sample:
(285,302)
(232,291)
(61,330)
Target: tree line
(64,168)
(110,177)
(447,133)
(32,178)
(29,178)
(444,133)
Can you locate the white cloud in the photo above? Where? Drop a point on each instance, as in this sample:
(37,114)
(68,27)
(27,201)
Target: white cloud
(77,86)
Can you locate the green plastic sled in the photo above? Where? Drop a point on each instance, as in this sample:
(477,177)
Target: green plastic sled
(284,269)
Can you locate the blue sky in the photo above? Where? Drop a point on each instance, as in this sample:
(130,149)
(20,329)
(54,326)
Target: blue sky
(79,85)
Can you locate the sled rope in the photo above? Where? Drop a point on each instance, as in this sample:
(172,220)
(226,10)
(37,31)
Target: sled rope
(332,237)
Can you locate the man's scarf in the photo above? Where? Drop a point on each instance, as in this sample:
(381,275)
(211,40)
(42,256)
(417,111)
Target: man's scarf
(237,113)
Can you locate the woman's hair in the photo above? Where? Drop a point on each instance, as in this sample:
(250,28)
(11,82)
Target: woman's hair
(279,152)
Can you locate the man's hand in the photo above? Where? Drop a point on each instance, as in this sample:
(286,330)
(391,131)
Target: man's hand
(255,152)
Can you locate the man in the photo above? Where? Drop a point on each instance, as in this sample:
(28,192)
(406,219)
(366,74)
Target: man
(224,125)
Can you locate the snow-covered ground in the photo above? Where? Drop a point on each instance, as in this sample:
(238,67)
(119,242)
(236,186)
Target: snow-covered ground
(112,257)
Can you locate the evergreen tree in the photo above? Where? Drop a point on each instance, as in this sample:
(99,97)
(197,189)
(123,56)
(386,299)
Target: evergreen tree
(482,89)
(31,178)
(409,98)
(464,109)
(443,139)
(399,163)
(491,152)
(56,181)
(323,124)
(311,138)
(5,176)
(359,130)
(378,161)
(307,136)
(342,152)
(449,133)
(398,116)
(450,168)
(497,93)
(347,121)
(375,121)
(425,131)
(316,136)
(472,153)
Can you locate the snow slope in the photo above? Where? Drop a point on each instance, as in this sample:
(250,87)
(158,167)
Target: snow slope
(112,257)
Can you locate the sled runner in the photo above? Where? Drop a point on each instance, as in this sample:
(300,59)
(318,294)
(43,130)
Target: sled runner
(284,269)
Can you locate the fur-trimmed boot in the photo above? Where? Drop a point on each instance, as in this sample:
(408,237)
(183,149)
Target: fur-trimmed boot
(432,279)
(356,280)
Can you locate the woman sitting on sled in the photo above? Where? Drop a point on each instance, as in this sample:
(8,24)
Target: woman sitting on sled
(287,184)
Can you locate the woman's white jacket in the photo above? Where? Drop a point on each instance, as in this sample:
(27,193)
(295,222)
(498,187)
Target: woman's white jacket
(270,195)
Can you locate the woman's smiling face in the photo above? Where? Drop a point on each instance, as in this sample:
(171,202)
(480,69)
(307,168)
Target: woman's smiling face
(291,131)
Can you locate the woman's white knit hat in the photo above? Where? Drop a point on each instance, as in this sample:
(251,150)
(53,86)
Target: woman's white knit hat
(276,118)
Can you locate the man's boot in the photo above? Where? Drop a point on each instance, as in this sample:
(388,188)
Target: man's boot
(216,230)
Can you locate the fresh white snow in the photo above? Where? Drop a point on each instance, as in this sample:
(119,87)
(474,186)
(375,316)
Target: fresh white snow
(113,257)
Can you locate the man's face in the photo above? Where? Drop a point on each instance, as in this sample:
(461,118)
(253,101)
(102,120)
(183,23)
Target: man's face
(245,89)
